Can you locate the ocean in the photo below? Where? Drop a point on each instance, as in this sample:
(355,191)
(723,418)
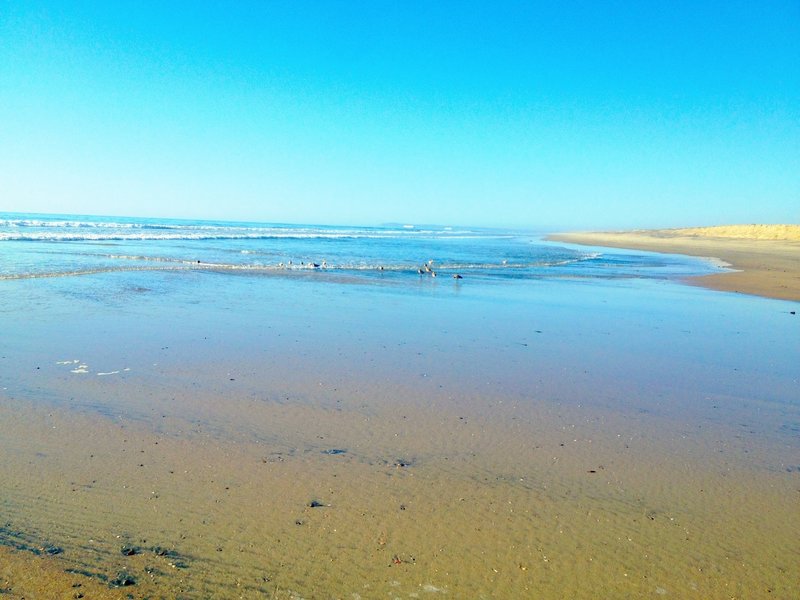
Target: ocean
(36,245)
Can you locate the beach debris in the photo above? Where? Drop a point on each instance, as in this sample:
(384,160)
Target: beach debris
(334,451)
(166,552)
(176,560)
(123,579)
(316,504)
(401,463)
(128,550)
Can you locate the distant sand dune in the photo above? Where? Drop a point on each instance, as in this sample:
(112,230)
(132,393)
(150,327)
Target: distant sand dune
(767,257)
(740,232)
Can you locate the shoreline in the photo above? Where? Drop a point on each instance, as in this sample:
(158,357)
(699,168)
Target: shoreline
(765,259)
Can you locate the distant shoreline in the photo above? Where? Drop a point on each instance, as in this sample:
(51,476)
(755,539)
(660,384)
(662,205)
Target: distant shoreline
(766,258)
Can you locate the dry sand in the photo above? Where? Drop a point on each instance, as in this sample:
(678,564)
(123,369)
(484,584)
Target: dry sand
(766,258)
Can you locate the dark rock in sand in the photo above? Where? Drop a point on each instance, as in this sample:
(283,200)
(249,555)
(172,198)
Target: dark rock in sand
(123,579)
(159,551)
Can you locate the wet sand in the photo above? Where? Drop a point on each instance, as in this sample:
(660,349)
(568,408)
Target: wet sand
(505,503)
(766,258)
(561,440)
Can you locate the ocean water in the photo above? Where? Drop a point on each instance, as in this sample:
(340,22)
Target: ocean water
(35,245)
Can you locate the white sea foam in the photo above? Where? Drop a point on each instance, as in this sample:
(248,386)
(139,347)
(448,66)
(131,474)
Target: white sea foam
(35,228)
(66,236)
(73,246)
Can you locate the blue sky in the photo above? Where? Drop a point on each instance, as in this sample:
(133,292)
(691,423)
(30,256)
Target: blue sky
(551,115)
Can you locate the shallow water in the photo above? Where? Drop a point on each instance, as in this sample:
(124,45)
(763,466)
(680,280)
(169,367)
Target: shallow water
(57,246)
(594,429)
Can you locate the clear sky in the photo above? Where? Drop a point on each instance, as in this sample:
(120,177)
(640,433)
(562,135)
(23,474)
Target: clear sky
(549,115)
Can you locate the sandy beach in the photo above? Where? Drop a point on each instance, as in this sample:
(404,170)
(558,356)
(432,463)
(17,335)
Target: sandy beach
(766,258)
(483,498)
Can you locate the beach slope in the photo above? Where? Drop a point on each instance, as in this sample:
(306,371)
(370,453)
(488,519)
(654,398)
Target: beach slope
(765,258)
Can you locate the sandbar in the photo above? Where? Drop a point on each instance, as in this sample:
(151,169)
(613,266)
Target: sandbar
(765,258)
